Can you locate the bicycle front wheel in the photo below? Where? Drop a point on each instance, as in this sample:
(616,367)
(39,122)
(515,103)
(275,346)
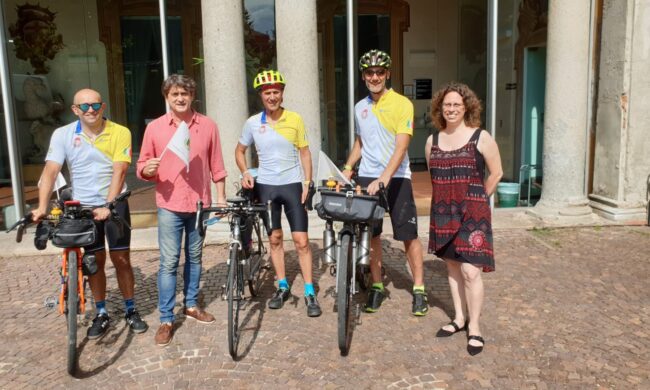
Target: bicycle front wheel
(255,261)
(72,304)
(343,296)
(234,299)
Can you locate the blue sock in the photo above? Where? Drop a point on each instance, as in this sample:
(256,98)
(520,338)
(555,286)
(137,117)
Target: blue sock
(309,289)
(101,307)
(129,304)
(282,283)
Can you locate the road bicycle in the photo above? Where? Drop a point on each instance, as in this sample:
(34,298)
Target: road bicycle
(349,252)
(70,226)
(247,252)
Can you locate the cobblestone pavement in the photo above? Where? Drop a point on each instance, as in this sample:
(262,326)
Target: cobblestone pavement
(566,308)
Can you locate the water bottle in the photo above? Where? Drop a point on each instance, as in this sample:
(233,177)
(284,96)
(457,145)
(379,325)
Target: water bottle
(212,221)
(329,244)
(363,257)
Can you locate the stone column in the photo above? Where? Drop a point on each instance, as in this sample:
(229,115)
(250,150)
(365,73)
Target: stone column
(565,128)
(297,49)
(622,161)
(225,75)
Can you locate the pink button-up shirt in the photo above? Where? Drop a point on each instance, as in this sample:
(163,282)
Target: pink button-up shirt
(176,189)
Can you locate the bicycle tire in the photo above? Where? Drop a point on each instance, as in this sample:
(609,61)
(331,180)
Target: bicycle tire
(234,299)
(343,296)
(255,262)
(72,304)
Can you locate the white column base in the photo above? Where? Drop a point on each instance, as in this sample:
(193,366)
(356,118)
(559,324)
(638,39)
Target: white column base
(617,211)
(563,213)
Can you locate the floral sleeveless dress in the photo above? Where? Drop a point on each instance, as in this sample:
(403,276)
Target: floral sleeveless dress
(460,226)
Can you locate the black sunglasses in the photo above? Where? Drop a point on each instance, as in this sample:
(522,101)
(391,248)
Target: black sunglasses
(84,107)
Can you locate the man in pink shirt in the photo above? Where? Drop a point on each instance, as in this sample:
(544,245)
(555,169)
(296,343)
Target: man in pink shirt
(178,188)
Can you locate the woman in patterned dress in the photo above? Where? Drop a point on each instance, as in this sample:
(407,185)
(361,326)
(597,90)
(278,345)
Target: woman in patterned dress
(460,230)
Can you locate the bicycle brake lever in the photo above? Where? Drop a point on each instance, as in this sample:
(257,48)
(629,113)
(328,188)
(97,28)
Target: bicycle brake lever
(384,199)
(310,196)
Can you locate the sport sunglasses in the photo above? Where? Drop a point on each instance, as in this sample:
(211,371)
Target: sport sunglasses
(84,107)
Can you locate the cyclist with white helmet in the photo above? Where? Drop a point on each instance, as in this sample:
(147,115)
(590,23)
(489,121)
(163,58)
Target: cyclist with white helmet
(283,177)
(384,127)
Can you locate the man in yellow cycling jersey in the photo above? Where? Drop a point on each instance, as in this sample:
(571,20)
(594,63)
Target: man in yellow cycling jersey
(384,127)
(98,153)
(284,176)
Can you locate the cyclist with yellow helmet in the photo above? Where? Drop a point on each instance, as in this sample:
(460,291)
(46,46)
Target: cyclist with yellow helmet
(283,177)
(384,127)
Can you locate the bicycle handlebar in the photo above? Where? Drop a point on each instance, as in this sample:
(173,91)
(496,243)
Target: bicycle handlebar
(264,211)
(83,212)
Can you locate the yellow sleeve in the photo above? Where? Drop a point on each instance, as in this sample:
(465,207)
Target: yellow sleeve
(404,123)
(122,149)
(301,134)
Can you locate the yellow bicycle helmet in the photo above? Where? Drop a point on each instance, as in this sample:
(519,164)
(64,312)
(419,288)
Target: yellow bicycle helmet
(374,58)
(268,78)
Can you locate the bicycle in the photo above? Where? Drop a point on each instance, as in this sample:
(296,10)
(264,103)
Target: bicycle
(349,253)
(71,228)
(245,260)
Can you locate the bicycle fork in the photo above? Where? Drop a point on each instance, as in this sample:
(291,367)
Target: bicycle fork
(352,259)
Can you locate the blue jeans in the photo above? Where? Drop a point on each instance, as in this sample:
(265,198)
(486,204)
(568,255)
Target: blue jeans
(171,225)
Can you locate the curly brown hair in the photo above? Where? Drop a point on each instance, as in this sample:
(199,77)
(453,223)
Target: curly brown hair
(473,106)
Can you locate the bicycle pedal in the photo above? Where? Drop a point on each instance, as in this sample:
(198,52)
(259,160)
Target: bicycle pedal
(50,302)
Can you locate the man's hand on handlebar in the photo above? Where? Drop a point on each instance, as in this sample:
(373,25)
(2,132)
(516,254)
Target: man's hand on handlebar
(247,181)
(373,187)
(38,215)
(101,213)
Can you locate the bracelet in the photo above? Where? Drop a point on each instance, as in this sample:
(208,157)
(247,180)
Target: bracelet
(307,182)
(245,172)
(347,167)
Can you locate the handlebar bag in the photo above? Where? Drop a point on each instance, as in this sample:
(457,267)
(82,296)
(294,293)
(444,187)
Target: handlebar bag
(74,233)
(348,206)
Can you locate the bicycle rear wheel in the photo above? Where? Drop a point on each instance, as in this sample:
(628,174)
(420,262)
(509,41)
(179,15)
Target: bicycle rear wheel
(255,262)
(343,296)
(72,305)
(234,299)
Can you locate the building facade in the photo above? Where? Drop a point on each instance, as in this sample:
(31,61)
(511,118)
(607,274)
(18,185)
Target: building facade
(571,77)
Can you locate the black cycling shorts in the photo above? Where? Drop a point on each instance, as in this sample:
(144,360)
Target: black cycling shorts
(289,196)
(105,232)
(403,213)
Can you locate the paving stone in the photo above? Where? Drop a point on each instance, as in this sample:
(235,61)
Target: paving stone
(566,308)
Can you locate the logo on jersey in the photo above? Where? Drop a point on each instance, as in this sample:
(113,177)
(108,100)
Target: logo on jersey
(77,142)
(409,124)
(364,113)
(262,129)
(127,152)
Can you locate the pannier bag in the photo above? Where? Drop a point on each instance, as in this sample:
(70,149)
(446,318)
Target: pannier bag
(347,206)
(73,233)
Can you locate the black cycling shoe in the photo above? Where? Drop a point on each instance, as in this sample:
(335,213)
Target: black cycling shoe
(420,303)
(136,323)
(313,308)
(99,326)
(278,298)
(375,298)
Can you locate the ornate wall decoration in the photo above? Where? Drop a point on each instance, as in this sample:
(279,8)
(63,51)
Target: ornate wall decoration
(35,36)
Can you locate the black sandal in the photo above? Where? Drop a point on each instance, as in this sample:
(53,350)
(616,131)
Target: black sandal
(473,349)
(445,333)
